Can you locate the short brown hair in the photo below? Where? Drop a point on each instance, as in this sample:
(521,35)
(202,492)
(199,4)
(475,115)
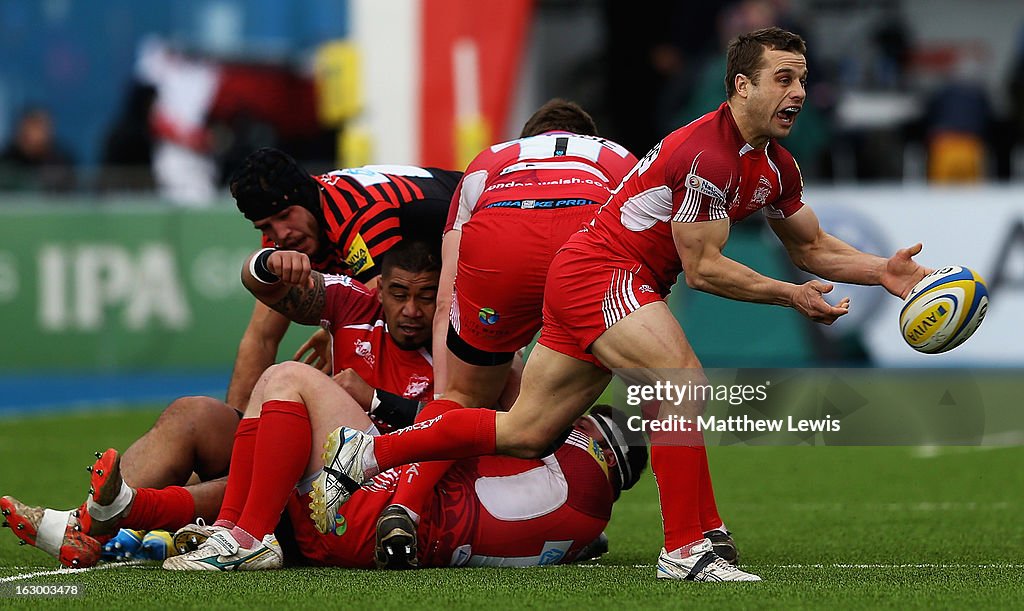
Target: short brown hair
(746,53)
(561,115)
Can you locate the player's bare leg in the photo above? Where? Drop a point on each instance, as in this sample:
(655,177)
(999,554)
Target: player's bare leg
(327,404)
(292,405)
(475,385)
(194,434)
(651,346)
(556,390)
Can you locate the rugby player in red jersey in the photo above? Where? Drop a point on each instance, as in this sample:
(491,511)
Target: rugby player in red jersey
(517,202)
(604,302)
(477,516)
(382,339)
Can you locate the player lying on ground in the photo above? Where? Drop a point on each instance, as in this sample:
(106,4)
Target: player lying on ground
(479,515)
(604,299)
(381,358)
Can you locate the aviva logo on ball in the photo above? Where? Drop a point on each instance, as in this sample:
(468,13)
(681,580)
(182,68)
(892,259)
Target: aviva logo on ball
(943,309)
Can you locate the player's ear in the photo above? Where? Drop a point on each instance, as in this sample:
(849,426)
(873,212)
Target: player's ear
(742,84)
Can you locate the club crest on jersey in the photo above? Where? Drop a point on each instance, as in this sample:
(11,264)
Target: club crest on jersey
(417,386)
(760,196)
(364,349)
(705,186)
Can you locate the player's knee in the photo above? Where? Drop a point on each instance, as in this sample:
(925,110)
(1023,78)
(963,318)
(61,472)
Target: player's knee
(287,374)
(283,381)
(193,411)
(527,443)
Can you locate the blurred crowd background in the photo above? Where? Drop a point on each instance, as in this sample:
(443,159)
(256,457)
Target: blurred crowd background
(120,122)
(119,96)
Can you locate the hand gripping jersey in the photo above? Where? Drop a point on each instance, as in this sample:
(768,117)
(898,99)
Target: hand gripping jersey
(487,511)
(355,319)
(703,171)
(368,210)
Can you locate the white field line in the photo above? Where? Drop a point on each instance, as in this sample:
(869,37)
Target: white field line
(995,441)
(66,571)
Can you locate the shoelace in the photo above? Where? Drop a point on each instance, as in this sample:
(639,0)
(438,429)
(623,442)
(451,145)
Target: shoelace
(722,564)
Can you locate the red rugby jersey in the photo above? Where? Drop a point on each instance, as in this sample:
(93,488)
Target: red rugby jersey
(487,511)
(355,319)
(702,171)
(504,511)
(547,170)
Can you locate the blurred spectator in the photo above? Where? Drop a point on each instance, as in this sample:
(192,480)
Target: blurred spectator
(877,108)
(127,155)
(654,49)
(958,119)
(185,85)
(1016,96)
(33,160)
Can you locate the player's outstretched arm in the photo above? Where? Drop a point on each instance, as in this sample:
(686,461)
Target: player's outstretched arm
(284,281)
(707,269)
(822,254)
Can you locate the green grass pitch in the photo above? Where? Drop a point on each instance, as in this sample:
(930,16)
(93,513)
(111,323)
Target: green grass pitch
(824,527)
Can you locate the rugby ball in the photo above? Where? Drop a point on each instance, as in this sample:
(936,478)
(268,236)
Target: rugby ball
(943,309)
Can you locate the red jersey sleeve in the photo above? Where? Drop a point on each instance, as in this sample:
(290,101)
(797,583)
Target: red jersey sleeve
(699,179)
(791,198)
(347,302)
(467,193)
(583,464)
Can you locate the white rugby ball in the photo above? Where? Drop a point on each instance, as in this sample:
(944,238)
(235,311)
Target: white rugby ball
(943,309)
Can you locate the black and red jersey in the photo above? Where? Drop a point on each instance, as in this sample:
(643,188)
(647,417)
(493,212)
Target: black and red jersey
(369,210)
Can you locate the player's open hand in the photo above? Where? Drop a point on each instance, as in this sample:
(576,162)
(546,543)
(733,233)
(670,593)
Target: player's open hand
(291,266)
(902,272)
(316,351)
(809,300)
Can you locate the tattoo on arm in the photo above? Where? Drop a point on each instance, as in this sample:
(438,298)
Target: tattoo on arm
(303,304)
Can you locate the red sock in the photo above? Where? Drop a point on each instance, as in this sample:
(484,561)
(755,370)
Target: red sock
(239,471)
(418,480)
(709,518)
(417,483)
(168,508)
(677,470)
(281,455)
(459,433)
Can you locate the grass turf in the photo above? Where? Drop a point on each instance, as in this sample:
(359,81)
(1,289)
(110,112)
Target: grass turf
(824,526)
